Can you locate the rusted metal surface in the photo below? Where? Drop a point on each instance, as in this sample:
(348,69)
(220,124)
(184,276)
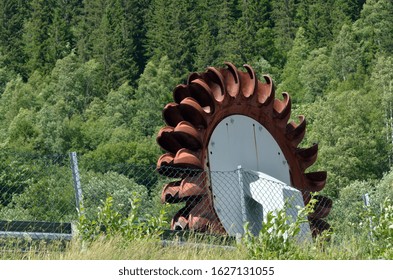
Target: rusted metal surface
(199,106)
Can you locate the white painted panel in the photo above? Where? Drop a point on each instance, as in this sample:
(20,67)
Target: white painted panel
(241,141)
(272,195)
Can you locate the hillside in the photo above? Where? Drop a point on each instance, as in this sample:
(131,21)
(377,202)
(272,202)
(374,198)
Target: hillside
(93,77)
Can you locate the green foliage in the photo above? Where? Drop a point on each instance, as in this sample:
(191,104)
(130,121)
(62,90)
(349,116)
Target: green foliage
(345,54)
(165,19)
(352,143)
(349,208)
(253,31)
(283,14)
(315,75)
(279,234)
(16,96)
(382,230)
(120,188)
(12,17)
(34,187)
(296,58)
(154,92)
(384,188)
(13,178)
(94,76)
(110,223)
(47,34)
(51,198)
(374,28)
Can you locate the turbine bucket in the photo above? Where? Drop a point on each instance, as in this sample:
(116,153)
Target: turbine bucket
(223,118)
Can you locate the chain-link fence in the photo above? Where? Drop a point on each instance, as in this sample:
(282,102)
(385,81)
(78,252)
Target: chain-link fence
(43,194)
(224,201)
(36,195)
(244,196)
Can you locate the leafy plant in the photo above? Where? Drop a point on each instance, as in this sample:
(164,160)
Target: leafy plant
(111,223)
(381,229)
(279,233)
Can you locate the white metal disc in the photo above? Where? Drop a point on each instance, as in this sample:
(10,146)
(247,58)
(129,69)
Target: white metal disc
(241,141)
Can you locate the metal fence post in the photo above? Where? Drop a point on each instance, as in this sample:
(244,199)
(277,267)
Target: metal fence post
(77,182)
(242,195)
(366,200)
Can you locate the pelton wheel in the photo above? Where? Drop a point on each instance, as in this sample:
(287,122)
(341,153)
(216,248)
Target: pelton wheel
(200,108)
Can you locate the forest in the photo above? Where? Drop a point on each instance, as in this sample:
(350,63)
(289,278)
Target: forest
(93,76)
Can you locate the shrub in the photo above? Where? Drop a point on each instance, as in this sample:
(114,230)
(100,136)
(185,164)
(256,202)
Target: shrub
(381,230)
(96,187)
(279,234)
(111,223)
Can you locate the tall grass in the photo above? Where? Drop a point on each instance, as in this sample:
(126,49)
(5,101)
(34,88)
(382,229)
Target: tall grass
(117,248)
(113,237)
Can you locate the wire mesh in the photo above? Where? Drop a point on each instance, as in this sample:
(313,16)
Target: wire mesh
(37,194)
(33,189)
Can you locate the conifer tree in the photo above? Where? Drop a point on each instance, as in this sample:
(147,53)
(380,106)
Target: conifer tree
(375,27)
(12,16)
(47,34)
(205,49)
(297,56)
(284,13)
(87,29)
(170,33)
(254,30)
(154,91)
(36,35)
(316,18)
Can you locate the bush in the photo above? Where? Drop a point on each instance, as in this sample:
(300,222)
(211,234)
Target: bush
(96,187)
(380,225)
(111,223)
(348,209)
(279,234)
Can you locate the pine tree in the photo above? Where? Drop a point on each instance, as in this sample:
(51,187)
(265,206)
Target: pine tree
(89,22)
(154,91)
(48,34)
(12,16)
(316,18)
(216,38)
(170,33)
(284,13)
(375,27)
(112,32)
(297,56)
(254,30)
(206,53)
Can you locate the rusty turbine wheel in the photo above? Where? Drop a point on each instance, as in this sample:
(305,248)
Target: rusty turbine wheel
(200,106)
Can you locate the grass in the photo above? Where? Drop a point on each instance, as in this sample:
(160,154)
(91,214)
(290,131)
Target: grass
(113,237)
(117,248)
